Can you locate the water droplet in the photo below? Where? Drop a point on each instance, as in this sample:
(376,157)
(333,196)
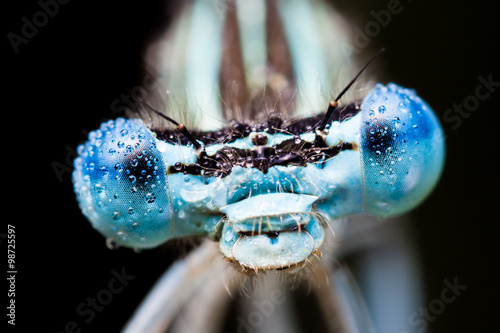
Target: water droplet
(150,198)
(381,109)
(178,166)
(132,179)
(98,188)
(111,244)
(123,133)
(120,144)
(112,151)
(384,207)
(116,216)
(371,113)
(181,214)
(129,148)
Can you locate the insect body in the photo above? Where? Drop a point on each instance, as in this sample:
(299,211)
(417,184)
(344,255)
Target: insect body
(265,188)
(259,167)
(265,192)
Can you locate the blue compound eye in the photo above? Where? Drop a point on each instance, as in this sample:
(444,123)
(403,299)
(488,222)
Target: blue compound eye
(121,184)
(402,147)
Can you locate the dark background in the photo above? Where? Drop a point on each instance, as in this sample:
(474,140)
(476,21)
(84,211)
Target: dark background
(64,80)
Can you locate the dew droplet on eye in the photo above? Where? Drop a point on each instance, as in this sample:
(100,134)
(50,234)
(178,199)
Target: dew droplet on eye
(150,197)
(384,207)
(98,188)
(111,244)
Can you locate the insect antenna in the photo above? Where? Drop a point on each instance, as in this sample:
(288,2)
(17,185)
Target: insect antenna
(181,127)
(334,104)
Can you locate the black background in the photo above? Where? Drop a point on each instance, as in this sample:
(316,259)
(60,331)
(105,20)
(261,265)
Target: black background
(64,80)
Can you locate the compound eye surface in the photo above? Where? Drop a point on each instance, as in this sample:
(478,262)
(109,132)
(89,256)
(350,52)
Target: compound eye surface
(402,150)
(121,184)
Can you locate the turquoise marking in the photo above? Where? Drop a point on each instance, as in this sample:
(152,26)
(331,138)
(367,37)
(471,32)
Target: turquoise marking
(123,187)
(251,23)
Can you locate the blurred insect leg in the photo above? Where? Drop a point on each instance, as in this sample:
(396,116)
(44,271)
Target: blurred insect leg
(207,309)
(177,285)
(342,304)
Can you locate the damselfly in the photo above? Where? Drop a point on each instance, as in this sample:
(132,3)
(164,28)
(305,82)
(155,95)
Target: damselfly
(261,163)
